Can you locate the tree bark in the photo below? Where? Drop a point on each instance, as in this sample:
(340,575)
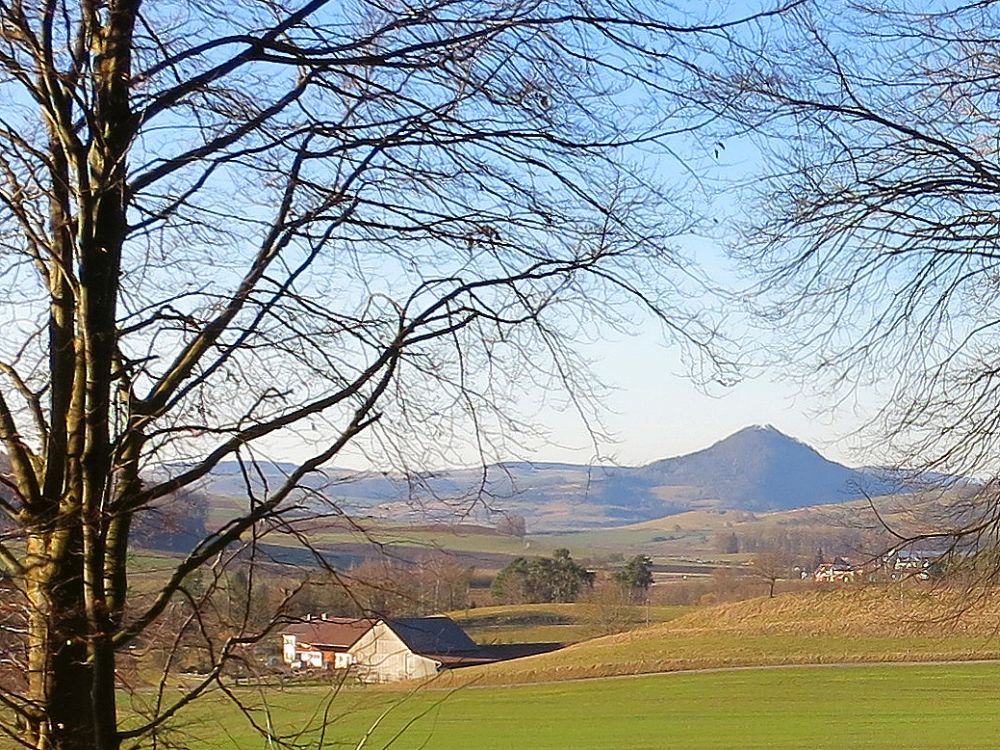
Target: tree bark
(60,672)
(75,564)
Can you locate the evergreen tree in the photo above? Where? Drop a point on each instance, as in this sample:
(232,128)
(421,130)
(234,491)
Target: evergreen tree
(543,579)
(637,575)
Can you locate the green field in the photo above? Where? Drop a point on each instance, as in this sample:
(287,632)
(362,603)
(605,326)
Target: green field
(932,707)
(588,544)
(819,627)
(538,702)
(684,536)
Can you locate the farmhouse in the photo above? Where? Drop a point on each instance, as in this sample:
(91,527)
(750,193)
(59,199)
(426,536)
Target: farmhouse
(322,643)
(839,571)
(414,647)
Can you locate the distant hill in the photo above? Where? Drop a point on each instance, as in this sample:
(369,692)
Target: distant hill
(756,469)
(760,468)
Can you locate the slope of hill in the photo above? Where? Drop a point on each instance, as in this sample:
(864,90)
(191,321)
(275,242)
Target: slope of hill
(819,627)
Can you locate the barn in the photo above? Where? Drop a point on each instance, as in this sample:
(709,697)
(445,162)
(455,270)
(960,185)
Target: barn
(414,647)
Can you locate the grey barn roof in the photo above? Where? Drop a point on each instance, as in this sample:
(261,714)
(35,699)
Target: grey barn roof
(432,635)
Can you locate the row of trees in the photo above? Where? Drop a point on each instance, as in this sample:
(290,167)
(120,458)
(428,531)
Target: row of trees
(561,579)
(378,587)
(801,541)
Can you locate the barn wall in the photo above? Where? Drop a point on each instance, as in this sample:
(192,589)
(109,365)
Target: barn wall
(380,656)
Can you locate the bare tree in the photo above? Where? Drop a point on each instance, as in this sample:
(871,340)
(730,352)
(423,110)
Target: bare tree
(229,227)
(876,231)
(611,608)
(771,566)
(512,525)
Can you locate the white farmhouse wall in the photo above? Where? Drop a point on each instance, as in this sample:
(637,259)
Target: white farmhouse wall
(299,655)
(381,656)
(288,649)
(311,658)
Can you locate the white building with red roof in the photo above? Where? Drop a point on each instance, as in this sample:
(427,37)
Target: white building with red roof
(323,642)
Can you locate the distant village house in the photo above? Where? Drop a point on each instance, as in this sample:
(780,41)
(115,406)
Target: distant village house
(920,564)
(838,571)
(390,650)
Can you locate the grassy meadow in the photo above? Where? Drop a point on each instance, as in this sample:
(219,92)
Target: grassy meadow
(676,538)
(756,700)
(883,707)
(875,624)
(688,535)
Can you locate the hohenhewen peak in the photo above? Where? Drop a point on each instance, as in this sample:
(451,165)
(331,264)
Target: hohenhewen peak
(761,468)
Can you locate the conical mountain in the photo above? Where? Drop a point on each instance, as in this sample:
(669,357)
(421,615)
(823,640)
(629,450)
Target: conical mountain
(761,468)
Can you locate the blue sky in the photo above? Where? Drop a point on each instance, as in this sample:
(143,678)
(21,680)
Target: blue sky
(656,409)
(653,408)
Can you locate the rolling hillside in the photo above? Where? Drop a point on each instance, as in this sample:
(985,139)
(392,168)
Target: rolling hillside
(755,469)
(877,624)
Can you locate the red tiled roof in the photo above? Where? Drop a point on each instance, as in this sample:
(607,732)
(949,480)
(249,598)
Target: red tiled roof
(332,632)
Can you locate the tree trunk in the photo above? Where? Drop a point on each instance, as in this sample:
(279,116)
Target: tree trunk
(77,538)
(70,672)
